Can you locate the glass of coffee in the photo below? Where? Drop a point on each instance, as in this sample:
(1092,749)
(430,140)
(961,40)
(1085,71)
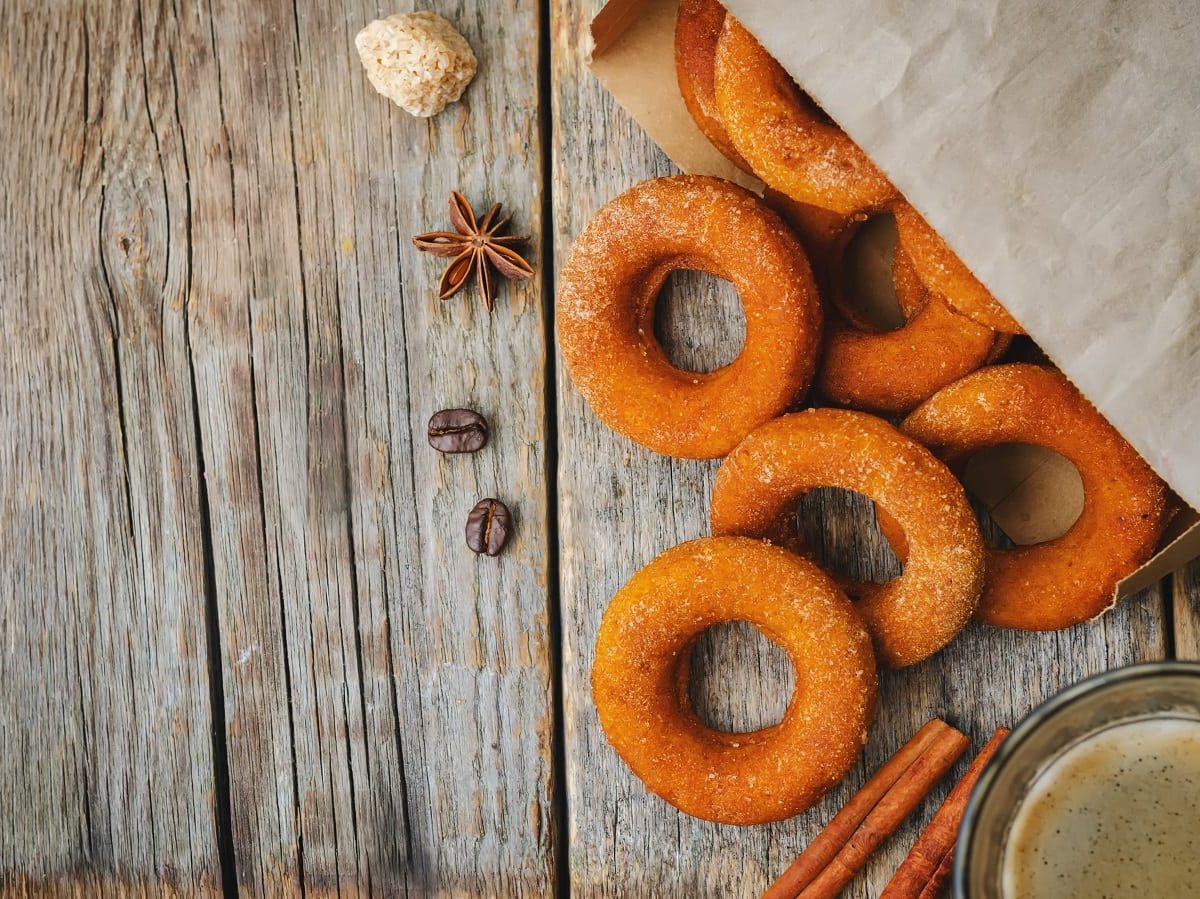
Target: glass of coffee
(1095,794)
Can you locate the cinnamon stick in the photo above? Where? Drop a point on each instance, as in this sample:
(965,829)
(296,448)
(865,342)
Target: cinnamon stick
(896,805)
(833,839)
(927,867)
(937,883)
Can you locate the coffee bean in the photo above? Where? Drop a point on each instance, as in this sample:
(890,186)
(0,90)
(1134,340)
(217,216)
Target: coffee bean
(457,431)
(487,527)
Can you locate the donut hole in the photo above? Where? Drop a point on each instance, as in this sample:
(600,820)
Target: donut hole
(839,530)
(698,321)
(868,297)
(1029,493)
(741,680)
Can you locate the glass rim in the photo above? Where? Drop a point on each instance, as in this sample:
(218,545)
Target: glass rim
(1032,722)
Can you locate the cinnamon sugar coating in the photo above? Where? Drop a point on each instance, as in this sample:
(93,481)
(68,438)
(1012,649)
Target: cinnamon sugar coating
(947,275)
(696,33)
(822,232)
(640,680)
(917,613)
(894,371)
(606,303)
(1070,579)
(783,135)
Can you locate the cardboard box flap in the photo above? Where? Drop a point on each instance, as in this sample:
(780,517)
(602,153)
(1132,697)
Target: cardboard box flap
(629,37)
(1179,546)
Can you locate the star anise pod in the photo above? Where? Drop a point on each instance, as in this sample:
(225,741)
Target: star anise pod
(475,246)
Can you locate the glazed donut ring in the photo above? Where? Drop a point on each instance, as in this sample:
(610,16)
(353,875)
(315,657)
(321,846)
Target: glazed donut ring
(640,680)
(786,139)
(917,613)
(894,371)
(1070,579)
(696,32)
(606,309)
(946,275)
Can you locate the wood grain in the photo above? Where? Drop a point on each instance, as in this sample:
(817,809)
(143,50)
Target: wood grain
(234,350)
(243,649)
(389,694)
(623,840)
(1185,598)
(105,720)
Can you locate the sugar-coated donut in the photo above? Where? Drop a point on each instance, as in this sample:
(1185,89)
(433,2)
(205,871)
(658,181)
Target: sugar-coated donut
(894,371)
(640,680)
(822,232)
(1072,578)
(917,613)
(912,300)
(946,275)
(696,32)
(606,303)
(889,372)
(787,140)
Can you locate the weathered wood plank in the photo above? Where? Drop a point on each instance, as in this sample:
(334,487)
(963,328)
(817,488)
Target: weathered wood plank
(1186,611)
(388,694)
(623,841)
(105,721)
(222,209)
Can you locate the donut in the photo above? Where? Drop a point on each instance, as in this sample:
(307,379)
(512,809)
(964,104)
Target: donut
(640,680)
(1072,578)
(823,233)
(892,372)
(946,275)
(790,144)
(696,32)
(886,372)
(606,304)
(917,613)
(787,140)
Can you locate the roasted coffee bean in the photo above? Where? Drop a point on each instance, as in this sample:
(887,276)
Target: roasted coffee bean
(487,527)
(457,431)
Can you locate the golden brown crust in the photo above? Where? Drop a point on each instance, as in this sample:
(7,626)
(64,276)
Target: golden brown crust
(784,137)
(894,371)
(918,613)
(1072,578)
(946,275)
(639,680)
(696,32)
(606,303)
(889,372)
(912,295)
(824,234)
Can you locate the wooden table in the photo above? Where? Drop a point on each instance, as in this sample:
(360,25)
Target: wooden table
(243,649)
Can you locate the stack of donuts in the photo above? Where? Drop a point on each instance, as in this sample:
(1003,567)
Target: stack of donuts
(896,415)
